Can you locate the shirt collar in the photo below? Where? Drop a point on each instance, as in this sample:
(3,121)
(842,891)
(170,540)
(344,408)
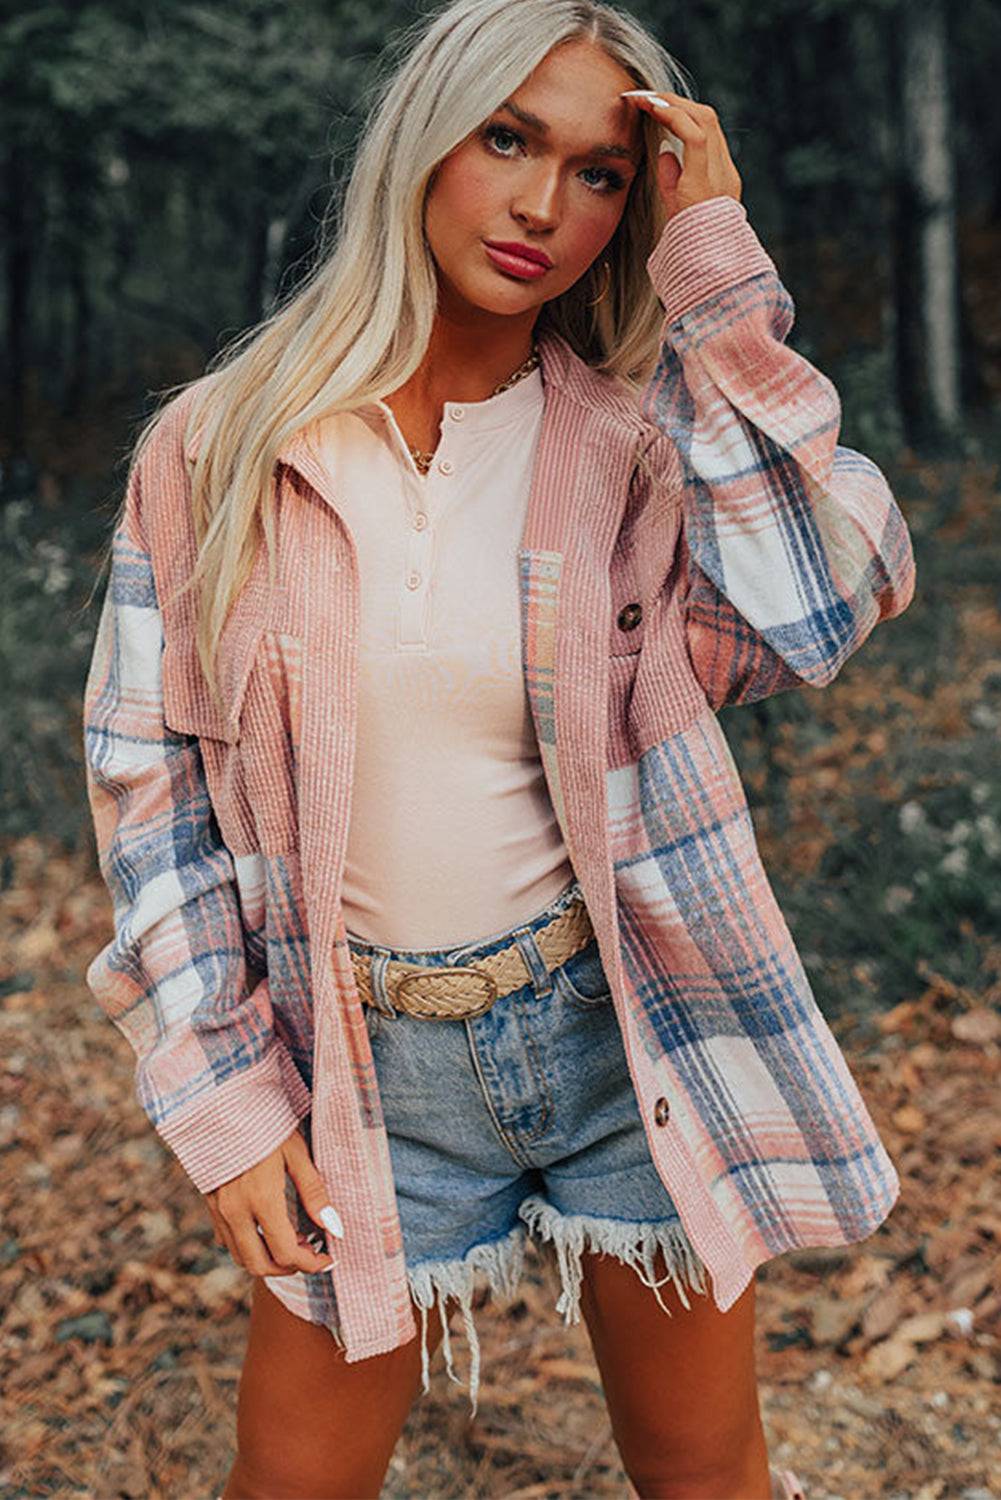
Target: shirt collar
(562,368)
(503,409)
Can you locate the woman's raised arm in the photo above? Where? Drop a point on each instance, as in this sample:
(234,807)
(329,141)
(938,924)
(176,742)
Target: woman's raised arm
(794,545)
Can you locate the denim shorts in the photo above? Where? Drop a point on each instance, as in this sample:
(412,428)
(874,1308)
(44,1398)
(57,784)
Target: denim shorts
(522,1119)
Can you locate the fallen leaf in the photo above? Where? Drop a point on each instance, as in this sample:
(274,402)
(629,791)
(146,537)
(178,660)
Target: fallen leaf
(833,1318)
(978,1025)
(568,1369)
(886,1360)
(963,1289)
(223,1284)
(959,1322)
(882,1314)
(922,1327)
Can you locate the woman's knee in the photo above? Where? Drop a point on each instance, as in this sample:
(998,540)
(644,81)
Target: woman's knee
(668,1471)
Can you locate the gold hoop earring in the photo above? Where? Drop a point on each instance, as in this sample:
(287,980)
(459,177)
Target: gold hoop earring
(593,302)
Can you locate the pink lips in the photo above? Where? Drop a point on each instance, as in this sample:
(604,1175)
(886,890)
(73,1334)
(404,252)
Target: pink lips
(520,260)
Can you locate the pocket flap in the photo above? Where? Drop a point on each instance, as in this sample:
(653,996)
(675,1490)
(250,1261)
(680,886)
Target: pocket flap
(188,705)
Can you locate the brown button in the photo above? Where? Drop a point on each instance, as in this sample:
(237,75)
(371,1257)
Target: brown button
(662,1111)
(629,616)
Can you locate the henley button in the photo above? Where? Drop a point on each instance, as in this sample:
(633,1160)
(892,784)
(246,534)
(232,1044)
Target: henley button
(446,466)
(662,1111)
(458,412)
(420,521)
(413,580)
(629,616)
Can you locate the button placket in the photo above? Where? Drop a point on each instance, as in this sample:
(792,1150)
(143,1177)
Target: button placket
(425,508)
(412,627)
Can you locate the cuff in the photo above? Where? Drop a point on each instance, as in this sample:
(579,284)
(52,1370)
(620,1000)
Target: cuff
(241,1122)
(702,250)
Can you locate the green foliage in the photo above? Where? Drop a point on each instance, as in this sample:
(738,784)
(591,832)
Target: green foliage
(181,156)
(46,633)
(168,166)
(870,419)
(911,881)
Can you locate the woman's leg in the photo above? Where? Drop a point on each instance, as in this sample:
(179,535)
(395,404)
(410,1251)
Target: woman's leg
(310,1425)
(682,1390)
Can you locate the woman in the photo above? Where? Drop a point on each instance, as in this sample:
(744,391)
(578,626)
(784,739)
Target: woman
(439,914)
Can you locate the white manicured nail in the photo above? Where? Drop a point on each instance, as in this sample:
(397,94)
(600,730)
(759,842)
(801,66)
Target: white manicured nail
(649,95)
(332,1219)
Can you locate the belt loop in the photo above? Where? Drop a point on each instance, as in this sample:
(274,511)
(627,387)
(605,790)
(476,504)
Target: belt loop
(534,961)
(380,993)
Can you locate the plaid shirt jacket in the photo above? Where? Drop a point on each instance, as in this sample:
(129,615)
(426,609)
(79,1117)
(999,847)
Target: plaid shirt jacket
(760,552)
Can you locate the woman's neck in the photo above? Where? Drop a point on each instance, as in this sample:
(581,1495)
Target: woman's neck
(452,371)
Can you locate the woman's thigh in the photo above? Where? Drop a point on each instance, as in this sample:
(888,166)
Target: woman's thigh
(308,1423)
(681,1390)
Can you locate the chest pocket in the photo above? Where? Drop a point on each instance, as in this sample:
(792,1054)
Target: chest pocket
(247,742)
(188,709)
(187,705)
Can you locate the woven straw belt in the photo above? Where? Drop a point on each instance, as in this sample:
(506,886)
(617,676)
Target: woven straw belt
(470,989)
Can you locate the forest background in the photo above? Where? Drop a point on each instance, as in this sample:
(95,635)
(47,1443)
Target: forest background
(165,172)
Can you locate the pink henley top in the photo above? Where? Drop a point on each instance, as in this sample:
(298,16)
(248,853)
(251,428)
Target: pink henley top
(452,836)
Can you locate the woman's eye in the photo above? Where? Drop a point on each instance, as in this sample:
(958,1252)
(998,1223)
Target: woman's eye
(493,131)
(611,181)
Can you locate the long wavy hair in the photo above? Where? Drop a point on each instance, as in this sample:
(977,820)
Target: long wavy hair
(358,325)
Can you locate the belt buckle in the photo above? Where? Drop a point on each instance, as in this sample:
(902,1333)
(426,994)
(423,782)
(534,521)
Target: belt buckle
(474,1010)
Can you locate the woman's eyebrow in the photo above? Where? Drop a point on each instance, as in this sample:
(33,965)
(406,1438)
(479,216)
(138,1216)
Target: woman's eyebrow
(606,148)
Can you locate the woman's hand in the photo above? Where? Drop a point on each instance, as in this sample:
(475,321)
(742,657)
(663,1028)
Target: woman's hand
(708,171)
(257,1198)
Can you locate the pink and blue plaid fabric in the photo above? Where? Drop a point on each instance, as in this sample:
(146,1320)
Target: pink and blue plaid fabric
(760,553)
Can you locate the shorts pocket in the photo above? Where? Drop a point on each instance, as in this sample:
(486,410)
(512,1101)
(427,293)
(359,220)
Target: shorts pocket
(582,977)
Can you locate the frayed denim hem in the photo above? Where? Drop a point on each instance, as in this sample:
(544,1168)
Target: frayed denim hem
(634,1243)
(501,1261)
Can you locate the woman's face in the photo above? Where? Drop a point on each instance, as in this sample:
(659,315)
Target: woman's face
(552,183)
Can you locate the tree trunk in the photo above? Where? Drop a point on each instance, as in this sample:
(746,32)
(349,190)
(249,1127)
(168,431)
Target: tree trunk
(17,273)
(81,325)
(928,350)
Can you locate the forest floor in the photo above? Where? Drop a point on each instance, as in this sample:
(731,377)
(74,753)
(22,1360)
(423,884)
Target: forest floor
(123,1325)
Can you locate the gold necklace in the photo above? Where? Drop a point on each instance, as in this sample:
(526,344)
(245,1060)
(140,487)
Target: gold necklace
(424,460)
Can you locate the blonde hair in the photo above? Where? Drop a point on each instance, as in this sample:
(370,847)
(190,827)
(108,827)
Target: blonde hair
(359,324)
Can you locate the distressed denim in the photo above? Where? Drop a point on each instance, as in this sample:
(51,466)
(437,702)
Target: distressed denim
(523,1119)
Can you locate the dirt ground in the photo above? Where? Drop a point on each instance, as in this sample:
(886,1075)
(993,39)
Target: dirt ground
(124,1326)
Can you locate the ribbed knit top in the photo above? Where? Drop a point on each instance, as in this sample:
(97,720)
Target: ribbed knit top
(452,835)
